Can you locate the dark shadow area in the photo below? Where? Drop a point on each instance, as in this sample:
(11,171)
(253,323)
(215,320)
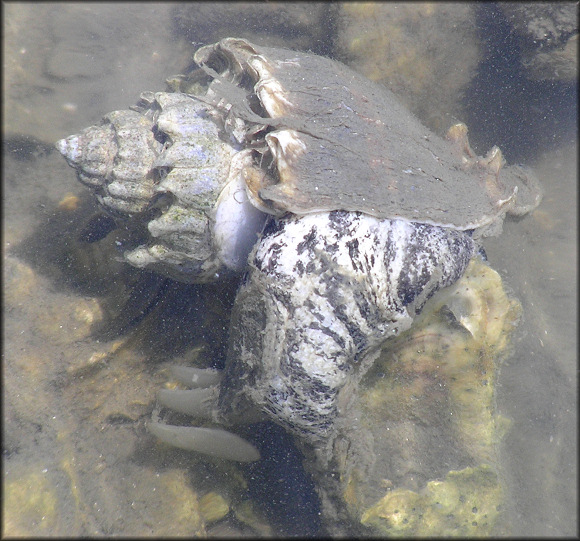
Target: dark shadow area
(78,251)
(24,148)
(280,485)
(507,109)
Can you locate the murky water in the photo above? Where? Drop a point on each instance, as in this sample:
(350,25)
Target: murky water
(75,406)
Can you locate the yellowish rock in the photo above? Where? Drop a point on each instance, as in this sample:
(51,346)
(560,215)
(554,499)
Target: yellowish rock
(465,503)
(463,359)
(429,400)
(246,514)
(20,282)
(67,319)
(29,507)
(213,507)
(69,202)
(425,52)
(177,508)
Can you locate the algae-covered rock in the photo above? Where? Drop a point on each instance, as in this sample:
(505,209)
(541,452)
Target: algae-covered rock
(465,503)
(420,454)
(548,34)
(425,52)
(30,506)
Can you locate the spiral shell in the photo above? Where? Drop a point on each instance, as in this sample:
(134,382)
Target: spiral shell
(166,158)
(115,160)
